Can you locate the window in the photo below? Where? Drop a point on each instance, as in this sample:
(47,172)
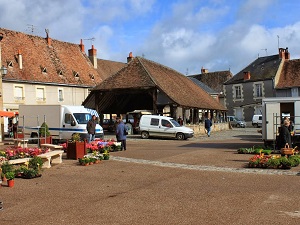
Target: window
(258,90)
(40,94)
(19,93)
(60,95)
(237,92)
(166,123)
(68,118)
(154,122)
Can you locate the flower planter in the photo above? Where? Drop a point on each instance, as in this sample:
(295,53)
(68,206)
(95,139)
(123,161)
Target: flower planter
(76,150)
(10,183)
(47,140)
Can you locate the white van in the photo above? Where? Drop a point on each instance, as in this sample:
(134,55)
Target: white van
(257,120)
(163,126)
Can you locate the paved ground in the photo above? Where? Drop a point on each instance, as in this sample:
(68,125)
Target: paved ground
(199,181)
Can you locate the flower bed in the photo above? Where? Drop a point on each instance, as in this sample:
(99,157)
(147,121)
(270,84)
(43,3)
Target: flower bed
(19,152)
(274,161)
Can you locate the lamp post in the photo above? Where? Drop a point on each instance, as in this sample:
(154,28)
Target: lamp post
(3,72)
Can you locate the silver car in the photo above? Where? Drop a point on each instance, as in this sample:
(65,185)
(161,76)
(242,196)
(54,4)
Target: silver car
(235,122)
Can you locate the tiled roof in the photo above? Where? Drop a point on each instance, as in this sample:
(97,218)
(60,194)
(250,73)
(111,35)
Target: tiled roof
(141,73)
(203,86)
(106,68)
(263,68)
(56,63)
(214,80)
(290,74)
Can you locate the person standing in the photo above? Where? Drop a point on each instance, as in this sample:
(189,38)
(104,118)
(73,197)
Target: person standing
(91,128)
(121,133)
(207,125)
(285,135)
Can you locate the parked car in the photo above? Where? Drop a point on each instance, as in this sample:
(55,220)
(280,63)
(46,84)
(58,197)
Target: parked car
(257,120)
(235,122)
(163,126)
(108,125)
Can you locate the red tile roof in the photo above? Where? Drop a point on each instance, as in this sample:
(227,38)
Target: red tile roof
(57,57)
(290,74)
(141,73)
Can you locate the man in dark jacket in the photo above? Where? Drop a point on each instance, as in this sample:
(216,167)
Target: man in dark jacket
(121,133)
(284,135)
(207,125)
(91,128)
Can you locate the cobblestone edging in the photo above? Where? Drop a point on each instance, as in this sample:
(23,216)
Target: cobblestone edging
(207,168)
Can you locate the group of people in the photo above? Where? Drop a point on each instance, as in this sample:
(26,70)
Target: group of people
(121,130)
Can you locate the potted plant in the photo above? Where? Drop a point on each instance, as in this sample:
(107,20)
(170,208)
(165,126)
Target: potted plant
(10,176)
(36,163)
(45,136)
(6,167)
(76,148)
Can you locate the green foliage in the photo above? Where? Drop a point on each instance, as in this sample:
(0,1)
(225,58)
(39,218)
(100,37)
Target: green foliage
(36,163)
(44,130)
(30,173)
(76,137)
(273,163)
(294,160)
(6,167)
(10,175)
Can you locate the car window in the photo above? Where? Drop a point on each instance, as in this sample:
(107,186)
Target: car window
(154,122)
(166,123)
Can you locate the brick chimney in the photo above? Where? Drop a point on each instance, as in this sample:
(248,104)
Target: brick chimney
(81,46)
(130,57)
(93,56)
(204,70)
(284,53)
(247,75)
(48,39)
(20,59)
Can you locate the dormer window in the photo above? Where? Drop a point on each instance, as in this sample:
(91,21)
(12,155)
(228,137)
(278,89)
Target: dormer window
(60,73)
(10,64)
(76,75)
(44,69)
(92,77)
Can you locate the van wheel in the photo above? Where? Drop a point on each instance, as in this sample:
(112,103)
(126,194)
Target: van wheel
(255,125)
(180,136)
(145,134)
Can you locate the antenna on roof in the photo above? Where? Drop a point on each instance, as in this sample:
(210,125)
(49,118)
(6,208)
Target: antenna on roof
(90,39)
(265,50)
(278,40)
(187,71)
(31,27)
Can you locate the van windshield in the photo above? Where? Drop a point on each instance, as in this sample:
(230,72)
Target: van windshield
(175,123)
(82,118)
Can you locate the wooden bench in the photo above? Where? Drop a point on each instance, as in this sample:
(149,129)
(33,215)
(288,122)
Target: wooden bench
(51,157)
(18,161)
(20,142)
(51,146)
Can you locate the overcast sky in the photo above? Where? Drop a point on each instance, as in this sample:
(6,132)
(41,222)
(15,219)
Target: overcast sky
(182,34)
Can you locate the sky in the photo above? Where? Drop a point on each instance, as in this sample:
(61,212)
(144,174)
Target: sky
(184,35)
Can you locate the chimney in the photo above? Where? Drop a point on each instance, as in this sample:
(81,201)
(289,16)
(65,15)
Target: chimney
(81,46)
(48,39)
(93,56)
(204,70)
(129,58)
(287,54)
(247,75)
(20,60)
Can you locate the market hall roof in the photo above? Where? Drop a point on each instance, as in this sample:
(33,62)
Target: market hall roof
(141,75)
